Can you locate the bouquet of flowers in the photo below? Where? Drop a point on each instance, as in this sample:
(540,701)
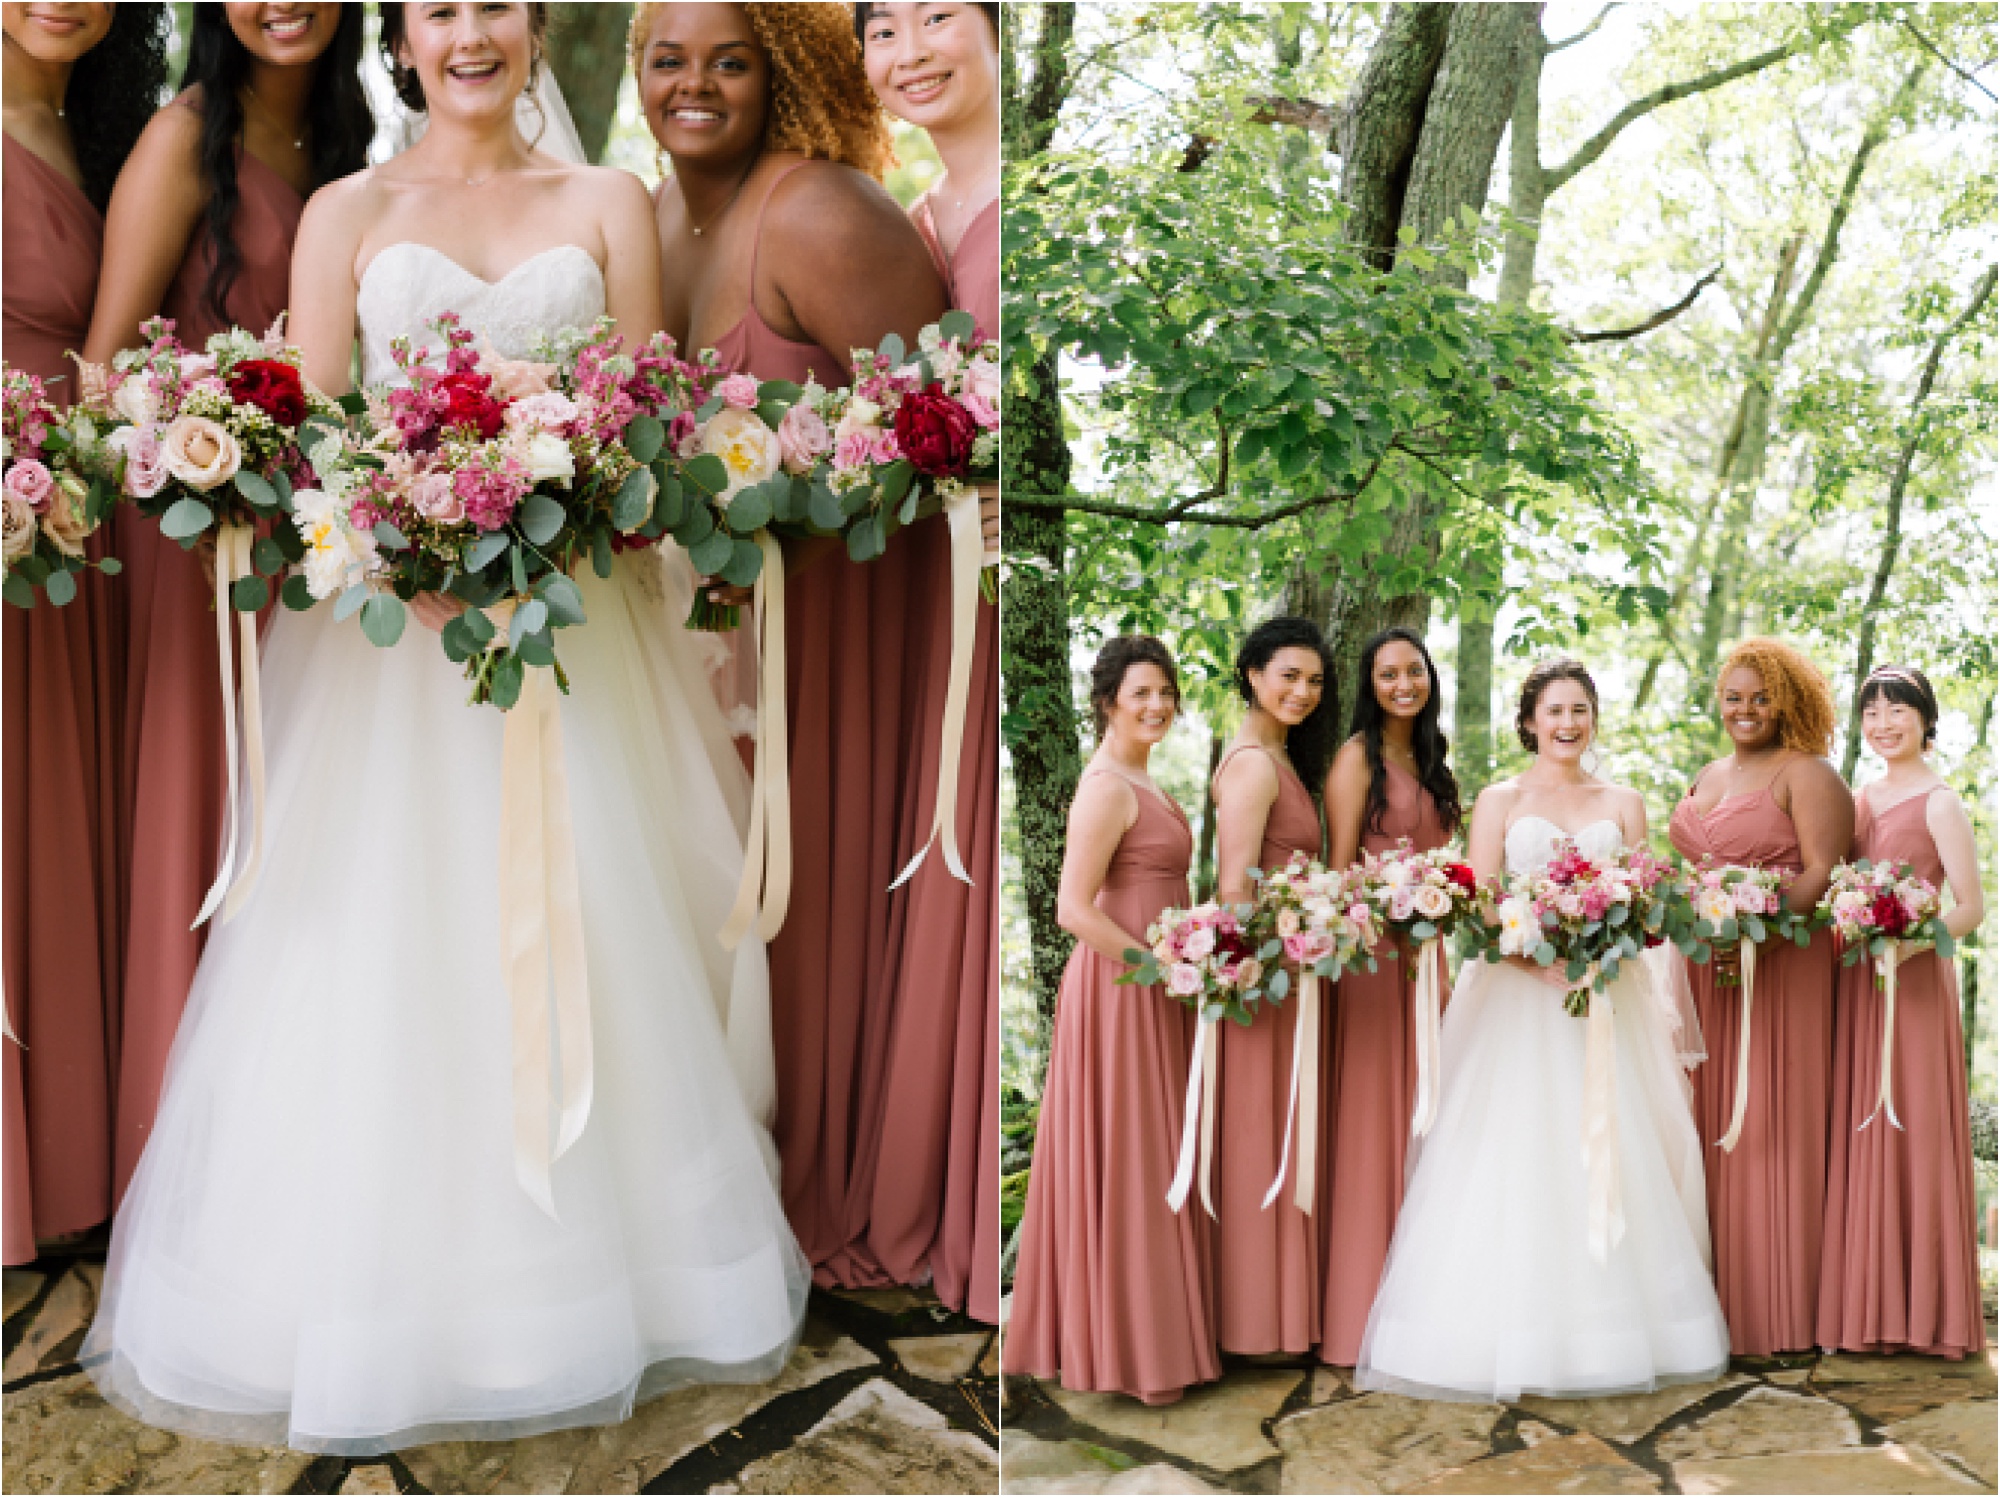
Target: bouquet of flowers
(1208,958)
(212,443)
(854,462)
(1872,906)
(49,506)
(1421,896)
(1733,903)
(1590,916)
(1321,918)
(491,479)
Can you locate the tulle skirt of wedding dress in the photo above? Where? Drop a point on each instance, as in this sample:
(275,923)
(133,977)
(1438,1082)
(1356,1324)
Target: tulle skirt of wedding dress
(1490,1290)
(325,1244)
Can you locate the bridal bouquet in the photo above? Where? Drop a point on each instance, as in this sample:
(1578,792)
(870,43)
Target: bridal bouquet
(1733,903)
(1592,916)
(48,505)
(490,479)
(1871,906)
(1322,918)
(1421,896)
(1208,958)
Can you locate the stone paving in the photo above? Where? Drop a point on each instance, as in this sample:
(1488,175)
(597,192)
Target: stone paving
(1807,1423)
(888,1392)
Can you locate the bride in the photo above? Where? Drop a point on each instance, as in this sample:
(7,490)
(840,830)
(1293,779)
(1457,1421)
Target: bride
(1493,1287)
(325,1243)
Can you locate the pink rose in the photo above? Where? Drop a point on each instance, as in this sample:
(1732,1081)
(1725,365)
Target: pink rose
(738,390)
(1198,942)
(1358,913)
(548,410)
(803,438)
(1184,979)
(1402,903)
(30,483)
(1309,947)
(145,460)
(854,449)
(433,497)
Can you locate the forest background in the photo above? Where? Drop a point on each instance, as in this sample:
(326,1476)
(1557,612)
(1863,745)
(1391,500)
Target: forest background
(1622,330)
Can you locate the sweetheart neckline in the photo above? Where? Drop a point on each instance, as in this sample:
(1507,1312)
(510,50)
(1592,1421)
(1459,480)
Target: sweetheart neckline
(470,274)
(1610,821)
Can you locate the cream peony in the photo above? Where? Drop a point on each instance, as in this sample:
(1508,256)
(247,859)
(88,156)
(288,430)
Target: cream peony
(749,449)
(136,400)
(1520,931)
(201,453)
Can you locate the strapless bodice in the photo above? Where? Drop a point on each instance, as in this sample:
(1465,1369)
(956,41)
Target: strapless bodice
(408,285)
(1531,842)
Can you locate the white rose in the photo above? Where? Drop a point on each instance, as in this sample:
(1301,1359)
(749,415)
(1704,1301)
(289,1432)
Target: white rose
(861,412)
(1432,902)
(548,457)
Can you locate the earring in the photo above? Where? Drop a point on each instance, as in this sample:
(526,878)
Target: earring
(1590,753)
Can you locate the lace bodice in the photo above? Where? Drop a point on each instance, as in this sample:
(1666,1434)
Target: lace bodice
(408,284)
(1531,842)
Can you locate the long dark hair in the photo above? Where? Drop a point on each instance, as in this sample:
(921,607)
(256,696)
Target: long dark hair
(113,90)
(1310,744)
(337,117)
(1427,741)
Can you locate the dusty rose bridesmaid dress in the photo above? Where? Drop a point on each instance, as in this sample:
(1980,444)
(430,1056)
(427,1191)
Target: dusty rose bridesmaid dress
(1766,1198)
(61,674)
(1114,1292)
(1366,1101)
(937,1189)
(1901,1260)
(172,765)
(1266,1261)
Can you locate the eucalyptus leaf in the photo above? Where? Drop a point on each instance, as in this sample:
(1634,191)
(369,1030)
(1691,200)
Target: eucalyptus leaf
(60,589)
(486,550)
(255,490)
(382,619)
(248,594)
(540,518)
(711,554)
(644,438)
(296,594)
(185,519)
(349,603)
(745,562)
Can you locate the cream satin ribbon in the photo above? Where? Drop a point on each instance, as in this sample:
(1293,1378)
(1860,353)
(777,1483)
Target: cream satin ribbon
(1600,1128)
(1746,961)
(1302,1111)
(967,556)
(231,888)
(1885,1101)
(541,935)
(1429,1004)
(1198,1118)
(767,853)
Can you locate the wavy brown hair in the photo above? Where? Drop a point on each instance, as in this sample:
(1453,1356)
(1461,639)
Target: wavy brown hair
(1798,689)
(821,105)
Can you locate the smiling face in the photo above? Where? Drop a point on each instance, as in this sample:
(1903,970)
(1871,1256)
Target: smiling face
(1895,730)
(472,61)
(1748,715)
(55,33)
(1564,722)
(1290,684)
(705,83)
(936,65)
(1144,709)
(1400,679)
(285,36)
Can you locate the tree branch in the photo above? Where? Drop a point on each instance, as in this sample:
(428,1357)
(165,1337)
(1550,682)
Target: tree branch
(1549,49)
(1183,511)
(1299,114)
(1932,48)
(1658,319)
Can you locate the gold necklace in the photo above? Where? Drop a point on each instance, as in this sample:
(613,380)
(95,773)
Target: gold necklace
(716,217)
(298,141)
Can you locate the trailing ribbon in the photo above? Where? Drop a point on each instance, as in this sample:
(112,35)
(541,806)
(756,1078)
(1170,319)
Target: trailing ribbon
(967,556)
(541,936)
(1885,967)
(1600,1128)
(767,853)
(1197,1118)
(231,888)
(1746,961)
(1303,1108)
(1428,1001)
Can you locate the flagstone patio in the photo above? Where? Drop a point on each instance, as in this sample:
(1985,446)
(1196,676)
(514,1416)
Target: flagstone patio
(888,1392)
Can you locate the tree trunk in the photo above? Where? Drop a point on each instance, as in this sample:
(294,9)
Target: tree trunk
(586,52)
(1204,853)
(1034,615)
(1527,183)
(1472,714)
(1385,116)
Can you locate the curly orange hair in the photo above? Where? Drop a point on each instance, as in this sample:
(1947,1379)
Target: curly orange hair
(1798,690)
(821,103)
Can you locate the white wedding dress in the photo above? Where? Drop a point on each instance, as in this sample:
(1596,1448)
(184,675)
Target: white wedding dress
(1491,1289)
(325,1243)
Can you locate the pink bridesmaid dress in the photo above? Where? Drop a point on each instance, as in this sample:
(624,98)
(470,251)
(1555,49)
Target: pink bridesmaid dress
(1366,1101)
(1766,1198)
(61,676)
(856,671)
(1114,1291)
(1901,1259)
(1266,1260)
(172,766)
(936,1203)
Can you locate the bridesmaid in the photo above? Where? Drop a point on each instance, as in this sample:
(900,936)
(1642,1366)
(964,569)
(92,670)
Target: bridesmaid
(1390,781)
(783,252)
(1266,1259)
(1114,1291)
(938,66)
(1774,802)
(1901,1271)
(79,82)
(200,230)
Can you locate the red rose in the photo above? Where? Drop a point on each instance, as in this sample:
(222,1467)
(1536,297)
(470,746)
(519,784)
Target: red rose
(1461,874)
(467,403)
(1888,915)
(272,387)
(936,433)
